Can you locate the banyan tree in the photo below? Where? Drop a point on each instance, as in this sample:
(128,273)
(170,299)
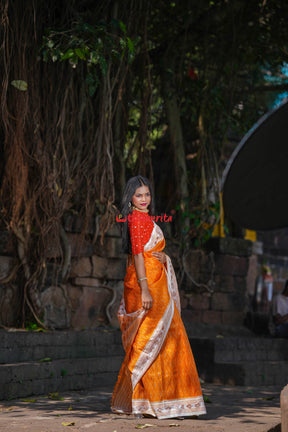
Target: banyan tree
(95,91)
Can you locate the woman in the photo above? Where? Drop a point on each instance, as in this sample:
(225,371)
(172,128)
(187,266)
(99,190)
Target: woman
(158,376)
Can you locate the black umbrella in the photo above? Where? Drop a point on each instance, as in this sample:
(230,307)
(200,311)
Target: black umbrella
(255,180)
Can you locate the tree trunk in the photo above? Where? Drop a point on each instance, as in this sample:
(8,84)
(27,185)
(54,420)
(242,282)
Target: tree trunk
(178,145)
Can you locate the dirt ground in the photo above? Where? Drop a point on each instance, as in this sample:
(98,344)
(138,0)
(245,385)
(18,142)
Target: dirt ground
(232,409)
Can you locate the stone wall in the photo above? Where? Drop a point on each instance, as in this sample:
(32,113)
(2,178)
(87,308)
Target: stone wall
(214,289)
(88,297)
(216,285)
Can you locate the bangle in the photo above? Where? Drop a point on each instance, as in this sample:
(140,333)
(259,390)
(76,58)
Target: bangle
(139,280)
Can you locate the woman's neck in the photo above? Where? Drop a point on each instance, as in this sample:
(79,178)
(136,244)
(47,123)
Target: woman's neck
(142,211)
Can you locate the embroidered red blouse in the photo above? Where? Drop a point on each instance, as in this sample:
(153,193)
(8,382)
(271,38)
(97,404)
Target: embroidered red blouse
(140,228)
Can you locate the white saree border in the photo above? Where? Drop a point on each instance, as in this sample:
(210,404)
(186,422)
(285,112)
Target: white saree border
(170,408)
(154,345)
(156,236)
(129,323)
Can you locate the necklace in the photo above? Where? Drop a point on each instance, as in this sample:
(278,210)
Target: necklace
(142,211)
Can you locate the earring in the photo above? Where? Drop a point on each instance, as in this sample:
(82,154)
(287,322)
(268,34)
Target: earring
(129,204)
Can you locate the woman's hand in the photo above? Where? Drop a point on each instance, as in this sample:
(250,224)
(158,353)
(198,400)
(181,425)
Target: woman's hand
(161,256)
(146,297)
(147,300)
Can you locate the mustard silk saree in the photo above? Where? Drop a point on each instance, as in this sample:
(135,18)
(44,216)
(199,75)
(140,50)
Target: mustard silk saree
(158,376)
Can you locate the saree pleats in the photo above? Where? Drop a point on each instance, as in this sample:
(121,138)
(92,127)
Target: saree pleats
(158,375)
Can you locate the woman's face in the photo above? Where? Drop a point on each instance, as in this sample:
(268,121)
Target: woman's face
(141,198)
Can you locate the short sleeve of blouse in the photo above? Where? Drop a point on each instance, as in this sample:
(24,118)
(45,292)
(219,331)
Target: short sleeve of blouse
(140,228)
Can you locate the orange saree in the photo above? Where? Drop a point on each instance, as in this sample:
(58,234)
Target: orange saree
(158,376)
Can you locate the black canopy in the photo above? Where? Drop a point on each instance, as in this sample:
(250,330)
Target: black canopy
(255,180)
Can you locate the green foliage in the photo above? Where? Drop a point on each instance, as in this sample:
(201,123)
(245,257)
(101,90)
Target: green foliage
(98,46)
(20,85)
(202,220)
(33,326)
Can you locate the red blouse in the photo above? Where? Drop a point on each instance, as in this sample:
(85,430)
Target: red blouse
(140,228)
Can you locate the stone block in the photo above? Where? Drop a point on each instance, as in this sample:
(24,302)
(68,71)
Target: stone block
(89,282)
(81,267)
(74,294)
(79,245)
(190,316)
(113,231)
(231,265)
(199,301)
(230,246)
(91,311)
(9,304)
(116,268)
(233,318)
(206,262)
(108,268)
(240,284)
(57,308)
(212,317)
(228,302)
(224,283)
(192,263)
(111,247)
(183,299)
(99,267)
(252,274)
(284,409)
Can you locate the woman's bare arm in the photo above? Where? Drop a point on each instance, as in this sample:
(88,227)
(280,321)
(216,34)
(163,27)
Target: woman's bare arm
(141,274)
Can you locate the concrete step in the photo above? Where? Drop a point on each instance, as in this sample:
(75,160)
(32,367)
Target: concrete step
(250,349)
(90,359)
(34,378)
(251,373)
(241,361)
(22,346)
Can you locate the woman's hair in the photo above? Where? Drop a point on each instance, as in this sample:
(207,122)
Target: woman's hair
(126,208)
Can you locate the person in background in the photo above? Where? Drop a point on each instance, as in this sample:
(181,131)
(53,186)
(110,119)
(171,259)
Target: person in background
(280,313)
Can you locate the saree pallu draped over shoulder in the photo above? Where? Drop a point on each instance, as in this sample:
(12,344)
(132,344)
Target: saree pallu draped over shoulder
(158,376)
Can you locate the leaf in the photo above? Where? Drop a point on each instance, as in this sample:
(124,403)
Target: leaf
(68,423)
(68,54)
(70,408)
(55,396)
(29,400)
(20,85)
(206,399)
(46,359)
(174,425)
(140,426)
(130,44)
(122,26)
(268,398)
(80,53)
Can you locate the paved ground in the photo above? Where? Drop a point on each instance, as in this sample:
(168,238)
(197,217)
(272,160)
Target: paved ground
(233,409)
